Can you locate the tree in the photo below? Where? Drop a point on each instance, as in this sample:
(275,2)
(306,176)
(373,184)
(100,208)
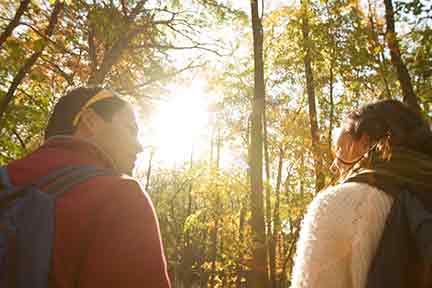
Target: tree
(30,61)
(409,96)
(259,275)
(310,88)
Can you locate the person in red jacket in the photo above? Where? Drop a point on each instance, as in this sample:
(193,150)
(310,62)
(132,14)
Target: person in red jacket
(106,230)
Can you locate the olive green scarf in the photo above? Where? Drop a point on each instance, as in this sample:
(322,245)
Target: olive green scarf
(405,167)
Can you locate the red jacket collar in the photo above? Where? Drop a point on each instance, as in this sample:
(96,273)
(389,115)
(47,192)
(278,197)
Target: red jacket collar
(58,152)
(89,151)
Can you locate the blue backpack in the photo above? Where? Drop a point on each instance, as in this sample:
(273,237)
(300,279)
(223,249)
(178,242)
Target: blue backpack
(27,221)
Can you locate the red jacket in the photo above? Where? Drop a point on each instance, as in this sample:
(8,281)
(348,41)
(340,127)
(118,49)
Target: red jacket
(106,232)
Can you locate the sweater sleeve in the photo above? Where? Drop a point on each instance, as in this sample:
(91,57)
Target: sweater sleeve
(125,249)
(339,236)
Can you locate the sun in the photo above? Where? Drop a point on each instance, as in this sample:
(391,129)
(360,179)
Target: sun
(180,125)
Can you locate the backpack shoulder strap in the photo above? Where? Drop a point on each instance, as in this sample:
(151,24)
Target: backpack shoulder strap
(420,225)
(53,176)
(75,177)
(5,181)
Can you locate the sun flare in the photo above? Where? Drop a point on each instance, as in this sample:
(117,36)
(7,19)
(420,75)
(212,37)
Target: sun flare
(180,124)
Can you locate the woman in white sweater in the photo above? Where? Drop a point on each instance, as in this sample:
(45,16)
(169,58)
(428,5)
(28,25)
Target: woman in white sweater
(344,224)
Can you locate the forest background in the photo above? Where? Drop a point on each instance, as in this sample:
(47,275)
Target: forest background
(271,81)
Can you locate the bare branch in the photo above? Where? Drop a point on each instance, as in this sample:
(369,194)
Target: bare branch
(66,76)
(173,47)
(166,76)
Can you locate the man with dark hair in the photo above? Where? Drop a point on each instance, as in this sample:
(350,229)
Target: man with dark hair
(106,230)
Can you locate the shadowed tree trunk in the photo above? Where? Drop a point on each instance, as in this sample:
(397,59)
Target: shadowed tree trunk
(310,88)
(375,43)
(409,97)
(259,251)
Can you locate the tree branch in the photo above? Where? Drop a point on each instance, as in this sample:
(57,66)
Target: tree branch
(30,61)
(188,67)
(92,48)
(173,47)
(15,132)
(15,22)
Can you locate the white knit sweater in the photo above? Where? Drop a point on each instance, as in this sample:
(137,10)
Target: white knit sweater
(339,236)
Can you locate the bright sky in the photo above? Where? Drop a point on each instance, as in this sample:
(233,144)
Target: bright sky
(183,124)
(180,123)
(269,5)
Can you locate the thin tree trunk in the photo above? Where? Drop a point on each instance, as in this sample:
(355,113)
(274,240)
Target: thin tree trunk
(218,148)
(333,45)
(270,251)
(19,77)
(310,87)
(331,116)
(240,256)
(149,170)
(202,259)
(214,250)
(222,271)
(276,215)
(409,96)
(259,263)
(15,22)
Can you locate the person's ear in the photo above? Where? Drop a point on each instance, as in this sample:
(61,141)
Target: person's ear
(90,122)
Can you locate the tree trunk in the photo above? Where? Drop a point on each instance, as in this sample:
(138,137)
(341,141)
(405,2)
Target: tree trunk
(203,277)
(218,148)
(331,116)
(111,58)
(259,251)
(239,267)
(214,250)
(269,233)
(15,22)
(188,248)
(149,170)
(114,54)
(19,77)
(409,97)
(310,88)
(276,216)
(375,43)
